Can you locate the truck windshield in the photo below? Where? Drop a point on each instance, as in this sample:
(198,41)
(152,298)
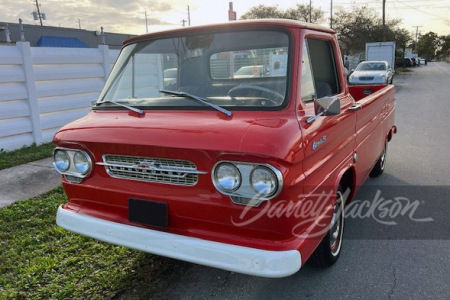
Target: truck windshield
(237,70)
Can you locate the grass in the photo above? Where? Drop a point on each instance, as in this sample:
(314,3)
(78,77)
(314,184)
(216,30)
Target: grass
(39,260)
(23,155)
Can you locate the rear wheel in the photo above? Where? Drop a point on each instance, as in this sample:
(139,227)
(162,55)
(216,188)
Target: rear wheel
(329,249)
(378,169)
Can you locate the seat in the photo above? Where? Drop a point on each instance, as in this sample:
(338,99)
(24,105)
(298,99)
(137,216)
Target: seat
(323,89)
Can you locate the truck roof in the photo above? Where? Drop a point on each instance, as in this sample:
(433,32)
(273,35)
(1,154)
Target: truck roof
(281,23)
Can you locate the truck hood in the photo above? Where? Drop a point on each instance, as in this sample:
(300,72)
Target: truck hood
(273,134)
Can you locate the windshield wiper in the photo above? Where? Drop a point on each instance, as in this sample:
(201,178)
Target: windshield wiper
(139,111)
(199,99)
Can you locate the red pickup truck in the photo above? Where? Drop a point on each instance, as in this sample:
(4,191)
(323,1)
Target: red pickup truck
(235,146)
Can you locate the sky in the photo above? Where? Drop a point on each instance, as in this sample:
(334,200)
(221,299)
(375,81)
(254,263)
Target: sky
(128,16)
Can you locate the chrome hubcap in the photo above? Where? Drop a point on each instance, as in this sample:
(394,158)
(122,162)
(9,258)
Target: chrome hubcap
(383,158)
(337,223)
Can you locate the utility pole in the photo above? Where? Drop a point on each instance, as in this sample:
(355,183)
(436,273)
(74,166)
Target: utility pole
(39,12)
(189,16)
(310,8)
(183,22)
(331,14)
(417,35)
(146,22)
(384,20)
(79,24)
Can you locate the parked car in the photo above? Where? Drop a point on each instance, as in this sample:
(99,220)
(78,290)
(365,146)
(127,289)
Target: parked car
(417,61)
(252,178)
(403,62)
(372,72)
(170,78)
(408,62)
(250,71)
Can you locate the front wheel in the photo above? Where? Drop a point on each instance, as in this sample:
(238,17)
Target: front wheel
(378,169)
(329,249)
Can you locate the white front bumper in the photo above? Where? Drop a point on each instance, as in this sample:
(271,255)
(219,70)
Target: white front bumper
(219,255)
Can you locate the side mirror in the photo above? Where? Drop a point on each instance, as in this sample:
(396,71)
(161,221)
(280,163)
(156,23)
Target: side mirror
(352,70)
(326,106)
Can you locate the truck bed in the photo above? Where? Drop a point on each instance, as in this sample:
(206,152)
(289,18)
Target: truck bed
(358,92)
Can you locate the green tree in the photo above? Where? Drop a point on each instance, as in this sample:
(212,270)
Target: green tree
(427,46)
(444,47)
(402,39)
(362,25)
(263,12)
(300,12)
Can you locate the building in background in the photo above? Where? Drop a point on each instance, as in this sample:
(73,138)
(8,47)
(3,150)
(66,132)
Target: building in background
(50,36)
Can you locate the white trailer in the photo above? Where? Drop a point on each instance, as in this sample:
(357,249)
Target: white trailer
(381,51)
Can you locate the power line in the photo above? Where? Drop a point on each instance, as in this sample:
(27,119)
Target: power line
(421,10)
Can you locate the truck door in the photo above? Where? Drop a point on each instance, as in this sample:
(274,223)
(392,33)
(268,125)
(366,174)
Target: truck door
(328,141)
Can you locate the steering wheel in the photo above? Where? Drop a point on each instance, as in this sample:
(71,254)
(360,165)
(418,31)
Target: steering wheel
(262,90)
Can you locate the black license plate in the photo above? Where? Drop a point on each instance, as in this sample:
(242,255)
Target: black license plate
(148,212)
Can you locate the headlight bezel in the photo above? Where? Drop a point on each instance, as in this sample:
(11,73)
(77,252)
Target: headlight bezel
(73,174)
(245,190)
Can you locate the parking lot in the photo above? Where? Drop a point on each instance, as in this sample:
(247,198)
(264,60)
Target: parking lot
(409,260)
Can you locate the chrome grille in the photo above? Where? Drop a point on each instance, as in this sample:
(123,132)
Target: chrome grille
(160,170)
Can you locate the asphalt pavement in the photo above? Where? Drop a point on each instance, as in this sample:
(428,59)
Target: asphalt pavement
(27,181)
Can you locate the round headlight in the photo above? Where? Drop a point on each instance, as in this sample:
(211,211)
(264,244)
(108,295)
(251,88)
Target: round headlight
(82,163)
(227,177)
(62,161)
(264,181)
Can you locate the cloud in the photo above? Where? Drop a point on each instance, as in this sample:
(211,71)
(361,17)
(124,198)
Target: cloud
(124,16)
(165,6)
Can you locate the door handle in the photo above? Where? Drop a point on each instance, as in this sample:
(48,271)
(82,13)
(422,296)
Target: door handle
(355,106)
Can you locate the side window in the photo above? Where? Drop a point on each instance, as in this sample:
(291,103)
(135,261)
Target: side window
(323,65)
(307,84)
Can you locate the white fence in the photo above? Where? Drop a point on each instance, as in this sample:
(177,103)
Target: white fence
(42,89)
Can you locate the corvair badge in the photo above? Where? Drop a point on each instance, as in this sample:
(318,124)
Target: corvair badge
(316,144)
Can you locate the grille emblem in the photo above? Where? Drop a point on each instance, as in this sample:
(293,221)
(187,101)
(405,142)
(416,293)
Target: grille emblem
(146,165)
